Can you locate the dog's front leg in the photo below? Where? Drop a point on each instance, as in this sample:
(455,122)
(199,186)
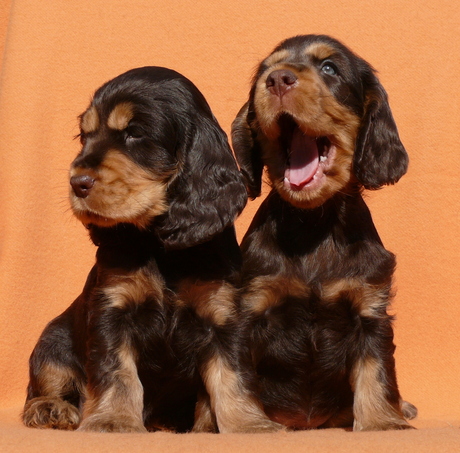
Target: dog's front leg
(114,393)
(377,403)
(229,404)
(235,408)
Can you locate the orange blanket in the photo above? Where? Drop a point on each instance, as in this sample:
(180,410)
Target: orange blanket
(55,54)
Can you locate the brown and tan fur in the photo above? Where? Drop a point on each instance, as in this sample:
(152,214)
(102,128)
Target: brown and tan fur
(317,279)
(158,189)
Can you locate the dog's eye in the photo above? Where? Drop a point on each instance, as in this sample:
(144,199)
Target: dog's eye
(329,68)
(133,133)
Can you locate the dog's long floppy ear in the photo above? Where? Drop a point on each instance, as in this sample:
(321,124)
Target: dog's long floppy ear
(380,157)
(207,194)
(247,151)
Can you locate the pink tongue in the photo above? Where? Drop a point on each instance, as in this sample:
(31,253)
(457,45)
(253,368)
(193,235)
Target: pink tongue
(304,159)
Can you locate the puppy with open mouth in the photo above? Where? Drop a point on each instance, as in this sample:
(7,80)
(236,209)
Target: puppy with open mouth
(317,278)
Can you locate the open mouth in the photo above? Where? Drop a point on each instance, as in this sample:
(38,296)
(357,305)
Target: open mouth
(307,158)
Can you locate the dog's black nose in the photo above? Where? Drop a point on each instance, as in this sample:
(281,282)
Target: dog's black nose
(82,185)
(280,81)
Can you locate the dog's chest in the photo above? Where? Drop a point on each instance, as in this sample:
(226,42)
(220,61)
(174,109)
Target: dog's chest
(172,327)
(305,347)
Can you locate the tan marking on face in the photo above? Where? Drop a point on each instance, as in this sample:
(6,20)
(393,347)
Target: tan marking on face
(120,116)
(372,410)
(89,121)
(235,408)
(119,407)
(123,192)
(370,300)
(276,57)
(317,114)
(210,300)
(266,292)
(134,288)
(319,50)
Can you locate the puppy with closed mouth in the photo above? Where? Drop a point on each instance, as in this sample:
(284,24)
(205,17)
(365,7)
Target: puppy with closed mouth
(149,342)
(317,278)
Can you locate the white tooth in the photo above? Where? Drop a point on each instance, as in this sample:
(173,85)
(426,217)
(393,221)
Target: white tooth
(323,158)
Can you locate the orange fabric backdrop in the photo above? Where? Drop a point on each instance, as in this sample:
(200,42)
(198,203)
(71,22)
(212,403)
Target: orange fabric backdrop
(55,54)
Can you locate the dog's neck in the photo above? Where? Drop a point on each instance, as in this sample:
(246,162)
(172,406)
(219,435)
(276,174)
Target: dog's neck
(345,217)
(124,246)
(319,243)
(118,235)
(128,248)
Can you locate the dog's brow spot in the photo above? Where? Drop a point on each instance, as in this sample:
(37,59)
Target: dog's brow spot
(277,57)
(120,116)
(89,120)
(320,51)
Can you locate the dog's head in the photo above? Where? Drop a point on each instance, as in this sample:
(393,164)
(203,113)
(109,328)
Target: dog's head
(319,120)
(153,155)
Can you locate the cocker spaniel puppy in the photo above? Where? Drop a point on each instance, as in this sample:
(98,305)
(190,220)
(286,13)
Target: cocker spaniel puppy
(317,278)
(157,187)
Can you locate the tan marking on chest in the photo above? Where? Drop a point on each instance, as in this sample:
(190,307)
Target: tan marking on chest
(266,292)
(369,300)
(210,300)
(133,289)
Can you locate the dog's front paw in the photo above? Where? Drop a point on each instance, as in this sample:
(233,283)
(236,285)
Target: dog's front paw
(50,412)
(382,425)
(264,426)
(111,425)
